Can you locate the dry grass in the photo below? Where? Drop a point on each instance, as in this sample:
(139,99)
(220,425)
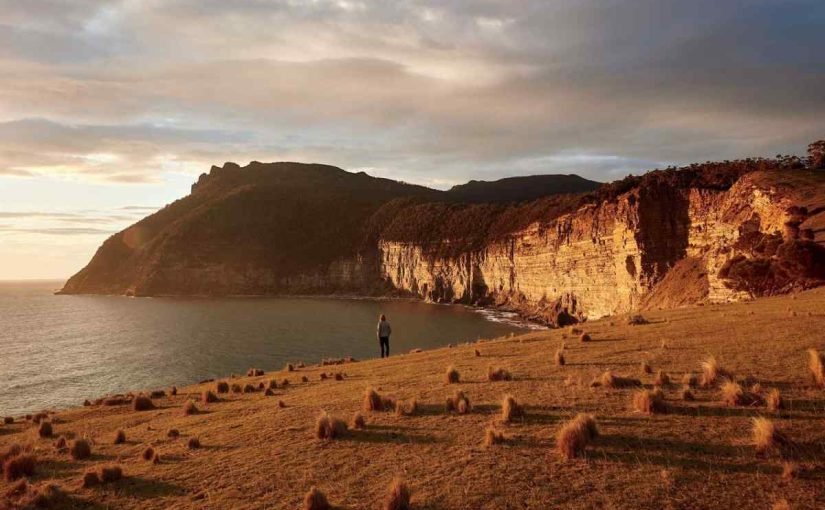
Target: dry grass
(790,470)
(398,496)
(148,453)
(458,403)
(498,374)
(734,395)
(189,408)
(194,443)
(510,409)
(90,479)
(328,427)
(222,387)
(585,337)
(315,500)
(8,420)
(373,401)
(609,380)
(173,433)
(649,401)
(712,372)
(662,379)
(358,422)
(646,369)
(766,436)
(80,449)
(575,435)
(120,437)
(142,403)
(559,358)
(774,401)
(47,496)
(493,436)
(781,504)
(477,353)
(690,380)
(406,407)
(45,429)
(18,466)
(701,443)
(110,474)
(687,395)
(816,365)
(207,397)
(452,376)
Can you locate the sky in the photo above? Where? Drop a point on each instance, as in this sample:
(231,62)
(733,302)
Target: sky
(111,109)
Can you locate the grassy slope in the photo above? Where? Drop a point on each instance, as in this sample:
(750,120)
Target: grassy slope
(257,455)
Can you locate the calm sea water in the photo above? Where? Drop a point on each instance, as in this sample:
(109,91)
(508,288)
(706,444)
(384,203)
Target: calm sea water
(56,351)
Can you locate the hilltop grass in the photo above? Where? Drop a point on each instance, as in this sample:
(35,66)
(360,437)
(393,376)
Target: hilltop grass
(700,454)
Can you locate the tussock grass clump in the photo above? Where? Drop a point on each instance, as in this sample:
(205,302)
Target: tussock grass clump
(237,388)
(766,436)
(339,376)
(406,408)
(323,376)
(269,393)
(734,395)
(398,496)
(207,397)
(458,403)
(712,372)
(375,402)
(248,388)
(281,404)
(45,429)
(690,380)
(649,401)
(11,451)
(222,387)
(254,372)
(261,386)
(609,380)
(61,445)
(173,433)
(816,365)
(493,436)
(452,376)
(37,418)
(498,374)
(477,353)
(157,394)
(173,391)
(189,408)
(120,437)
(575,435)
(316,500)
(662,379)
(8,420)
(17,489)
(148,453)
(48,496)
(18,466)
(585,337)
(510,409)
(774,401)
(289,367)
(285,383)
(304,379)
(559,358)
(790,470)
(156,458)
(110,474)
(80,449)
(328,427)
(90,479)
(646,369)
(194,443)
(273,384)
(142,403)
(687,395)
(636,320)
(358,421)
(781,504)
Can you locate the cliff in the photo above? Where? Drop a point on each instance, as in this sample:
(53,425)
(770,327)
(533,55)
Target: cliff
(714,232)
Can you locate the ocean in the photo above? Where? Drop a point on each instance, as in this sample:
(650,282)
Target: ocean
(56,351)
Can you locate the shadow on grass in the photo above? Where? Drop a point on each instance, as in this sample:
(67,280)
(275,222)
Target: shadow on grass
(144,488)
(369,435)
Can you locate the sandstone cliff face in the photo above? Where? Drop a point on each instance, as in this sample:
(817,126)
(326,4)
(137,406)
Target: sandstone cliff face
(602,259)
(712,232)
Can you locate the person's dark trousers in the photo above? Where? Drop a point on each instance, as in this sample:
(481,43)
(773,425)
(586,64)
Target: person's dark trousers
(385,346)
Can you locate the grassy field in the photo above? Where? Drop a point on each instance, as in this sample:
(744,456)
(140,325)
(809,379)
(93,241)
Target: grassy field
(698,454)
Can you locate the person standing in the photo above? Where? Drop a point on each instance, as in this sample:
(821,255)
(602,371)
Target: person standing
(384,332)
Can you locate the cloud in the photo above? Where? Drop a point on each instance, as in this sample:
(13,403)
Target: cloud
(427,91)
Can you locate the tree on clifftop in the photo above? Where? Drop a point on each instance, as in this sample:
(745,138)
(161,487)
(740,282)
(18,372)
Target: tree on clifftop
(816,154)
